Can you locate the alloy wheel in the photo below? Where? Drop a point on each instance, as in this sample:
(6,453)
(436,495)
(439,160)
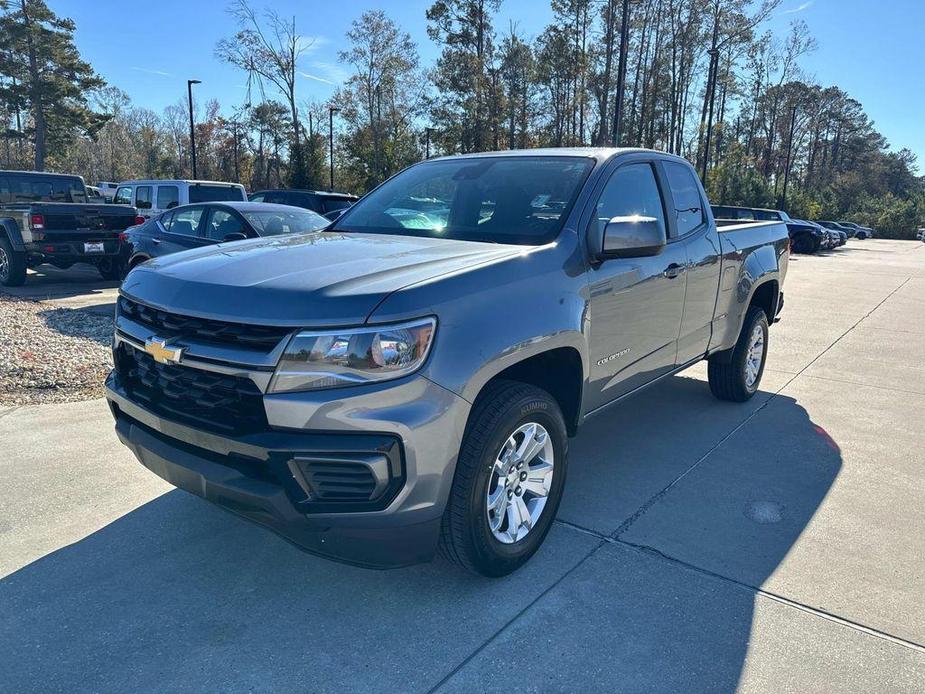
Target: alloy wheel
(4,265)
(521,478)
(754,356)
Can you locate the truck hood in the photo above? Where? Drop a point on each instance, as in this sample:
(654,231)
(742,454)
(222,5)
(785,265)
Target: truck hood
(311,280)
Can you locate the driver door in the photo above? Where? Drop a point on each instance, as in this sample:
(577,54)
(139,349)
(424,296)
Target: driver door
(636,303)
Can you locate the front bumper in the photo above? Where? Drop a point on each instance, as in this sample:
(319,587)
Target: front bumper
(254,475)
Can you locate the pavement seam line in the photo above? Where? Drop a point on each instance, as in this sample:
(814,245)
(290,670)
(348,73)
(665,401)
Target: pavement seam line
(658,496)
(789,602)
(504,627)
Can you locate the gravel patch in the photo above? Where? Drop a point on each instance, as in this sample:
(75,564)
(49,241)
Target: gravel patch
(51,354)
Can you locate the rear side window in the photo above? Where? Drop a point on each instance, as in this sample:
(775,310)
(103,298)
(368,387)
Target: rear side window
(212,193)
(168,197)
(687,199)
(222,224)
(185,222)
(766,215)
(143,197)
(632,190)
(123,196)
(38,188)
(331,204)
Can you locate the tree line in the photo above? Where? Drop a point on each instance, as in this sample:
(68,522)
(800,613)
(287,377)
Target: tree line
(704,79)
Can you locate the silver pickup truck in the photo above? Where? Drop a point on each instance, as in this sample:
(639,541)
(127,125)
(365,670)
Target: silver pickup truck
(408,378)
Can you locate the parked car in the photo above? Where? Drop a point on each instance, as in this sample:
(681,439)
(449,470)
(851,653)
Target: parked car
(920,234)
(107,189)
(372,390)
(828,224)
(45,218)
(805,237)
(95,196)
(859,231)
(152,198)
(194,226)
(324,203)
(808,237)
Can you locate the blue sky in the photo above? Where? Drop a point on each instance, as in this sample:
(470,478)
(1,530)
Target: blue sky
(872,50)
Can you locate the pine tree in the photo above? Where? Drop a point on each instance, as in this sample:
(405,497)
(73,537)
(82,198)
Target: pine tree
(46,77)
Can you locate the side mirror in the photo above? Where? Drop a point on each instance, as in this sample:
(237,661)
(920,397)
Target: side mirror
(633,237)
(236,236)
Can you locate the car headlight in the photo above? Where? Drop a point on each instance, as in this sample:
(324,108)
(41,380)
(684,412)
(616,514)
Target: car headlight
(318,359)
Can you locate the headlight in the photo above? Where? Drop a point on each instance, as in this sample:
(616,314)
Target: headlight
(314,360)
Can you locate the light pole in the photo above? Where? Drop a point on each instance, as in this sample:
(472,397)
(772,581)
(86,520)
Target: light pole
(331,110)
(192,130)
(617,134)
(427,132)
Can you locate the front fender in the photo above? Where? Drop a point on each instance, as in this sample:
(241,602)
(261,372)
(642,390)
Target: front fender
(496,315)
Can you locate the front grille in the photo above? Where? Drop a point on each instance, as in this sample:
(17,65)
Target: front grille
(167,324)
(340,481)
(216,402)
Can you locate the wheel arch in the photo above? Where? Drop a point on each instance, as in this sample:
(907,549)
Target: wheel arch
(559,371)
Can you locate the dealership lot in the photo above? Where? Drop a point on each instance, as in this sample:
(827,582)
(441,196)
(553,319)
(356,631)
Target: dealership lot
(701,545)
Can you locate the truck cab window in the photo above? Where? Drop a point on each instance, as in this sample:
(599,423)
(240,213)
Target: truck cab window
(687,199)
(631,190)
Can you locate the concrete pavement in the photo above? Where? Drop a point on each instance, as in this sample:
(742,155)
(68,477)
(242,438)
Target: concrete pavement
(701,546)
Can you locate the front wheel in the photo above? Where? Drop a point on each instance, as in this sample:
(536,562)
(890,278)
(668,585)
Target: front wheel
(509,479)
(737,379)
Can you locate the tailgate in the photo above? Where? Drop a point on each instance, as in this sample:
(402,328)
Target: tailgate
(86,219)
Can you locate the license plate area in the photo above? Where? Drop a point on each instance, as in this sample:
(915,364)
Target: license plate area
(94,247)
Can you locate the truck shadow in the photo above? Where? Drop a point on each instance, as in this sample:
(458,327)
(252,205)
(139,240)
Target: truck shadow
(178,594)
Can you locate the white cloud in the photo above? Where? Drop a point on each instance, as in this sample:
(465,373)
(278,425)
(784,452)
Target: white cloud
(332,71)
(316,78)
(149,71)
(799,8)
(310,44)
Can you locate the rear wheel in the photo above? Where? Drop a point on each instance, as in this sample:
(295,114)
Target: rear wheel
(737,379)
(12,265)
(509,479)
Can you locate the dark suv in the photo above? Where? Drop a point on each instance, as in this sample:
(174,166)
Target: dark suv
(317,201)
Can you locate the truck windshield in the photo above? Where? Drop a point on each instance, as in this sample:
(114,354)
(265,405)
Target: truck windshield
(207,193)
(38,188)
(517,200)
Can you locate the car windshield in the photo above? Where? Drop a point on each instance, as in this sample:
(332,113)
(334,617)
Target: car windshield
(274,222)
(209,193)
(518,200)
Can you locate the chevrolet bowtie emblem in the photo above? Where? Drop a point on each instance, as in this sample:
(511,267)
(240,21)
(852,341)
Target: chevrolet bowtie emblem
(162,352)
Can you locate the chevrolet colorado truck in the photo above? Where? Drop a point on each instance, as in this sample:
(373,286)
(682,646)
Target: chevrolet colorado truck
(45,218)
(408,378)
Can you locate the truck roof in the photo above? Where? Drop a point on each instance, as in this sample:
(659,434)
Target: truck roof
(155,181)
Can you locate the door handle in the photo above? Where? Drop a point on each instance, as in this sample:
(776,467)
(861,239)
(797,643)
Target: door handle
(155,240)
(673,270)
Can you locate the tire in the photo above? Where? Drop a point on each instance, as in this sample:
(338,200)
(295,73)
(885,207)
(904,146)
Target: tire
(467,537)
(804,243)
(12,265)
(112,269)
(734,380)
(860,236)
